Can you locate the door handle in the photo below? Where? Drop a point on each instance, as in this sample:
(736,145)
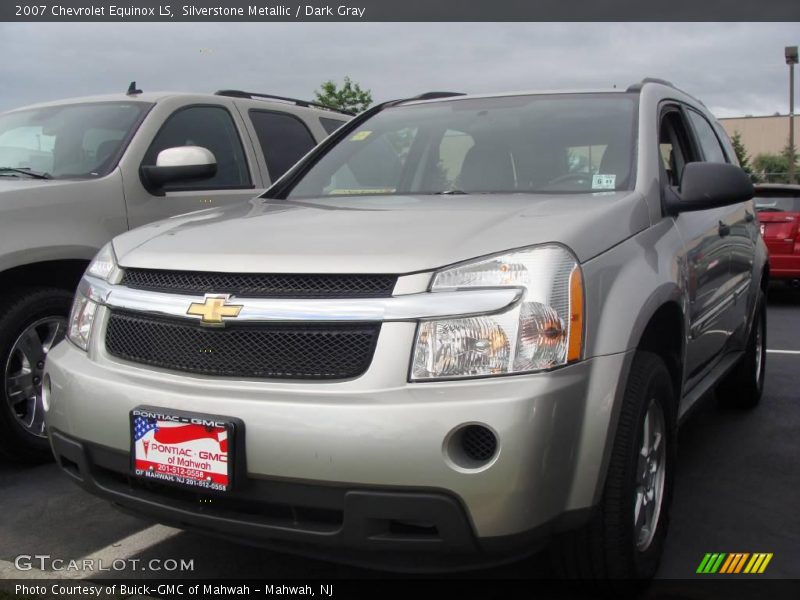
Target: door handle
(723,229)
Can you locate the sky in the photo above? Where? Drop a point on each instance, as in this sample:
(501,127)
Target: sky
(735,68)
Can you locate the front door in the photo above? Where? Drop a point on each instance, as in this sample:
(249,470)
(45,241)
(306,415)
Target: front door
(214,127)
(707,252)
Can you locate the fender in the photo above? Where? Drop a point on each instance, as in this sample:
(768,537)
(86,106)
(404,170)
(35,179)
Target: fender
(624,289)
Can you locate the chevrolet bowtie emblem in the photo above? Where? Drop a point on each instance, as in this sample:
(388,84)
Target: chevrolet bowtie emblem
(212,310)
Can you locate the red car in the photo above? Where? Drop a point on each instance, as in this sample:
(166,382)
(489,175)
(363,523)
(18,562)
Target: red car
(778,207)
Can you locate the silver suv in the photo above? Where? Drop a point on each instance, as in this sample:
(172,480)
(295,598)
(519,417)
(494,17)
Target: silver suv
(77,172)
(461,327)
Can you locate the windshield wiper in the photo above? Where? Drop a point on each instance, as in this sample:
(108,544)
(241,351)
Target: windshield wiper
(26,171)
(451,193)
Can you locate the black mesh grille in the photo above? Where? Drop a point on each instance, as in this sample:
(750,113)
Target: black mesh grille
(308,351)
(478,442)
(289,285)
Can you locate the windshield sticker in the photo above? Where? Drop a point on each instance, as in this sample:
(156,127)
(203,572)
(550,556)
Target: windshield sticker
(359,136)
(604,182)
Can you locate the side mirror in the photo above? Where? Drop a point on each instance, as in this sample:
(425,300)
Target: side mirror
(182,163)
(707,185)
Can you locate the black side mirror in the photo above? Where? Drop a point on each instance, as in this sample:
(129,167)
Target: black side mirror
(182,163)
(707,185)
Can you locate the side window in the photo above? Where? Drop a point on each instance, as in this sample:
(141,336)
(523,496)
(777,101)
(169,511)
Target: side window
(211,127)
(707,138)
(675,148)
(330,125)
(284,139)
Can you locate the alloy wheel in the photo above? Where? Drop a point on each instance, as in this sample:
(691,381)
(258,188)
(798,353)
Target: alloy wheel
(650,475)
(24,368)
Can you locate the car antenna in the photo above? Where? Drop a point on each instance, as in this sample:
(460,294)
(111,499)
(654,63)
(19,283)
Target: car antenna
(132,91)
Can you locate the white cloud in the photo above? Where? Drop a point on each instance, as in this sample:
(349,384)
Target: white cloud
(735,68)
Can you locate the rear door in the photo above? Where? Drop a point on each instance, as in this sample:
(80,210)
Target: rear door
(283,138)
(737,226)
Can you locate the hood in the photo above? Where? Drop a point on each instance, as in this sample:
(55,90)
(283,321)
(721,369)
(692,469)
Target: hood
(58,219)
(11,186)
(27,193)
(379,234)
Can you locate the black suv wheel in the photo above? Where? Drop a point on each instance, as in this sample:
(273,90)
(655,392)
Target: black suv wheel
(31,323)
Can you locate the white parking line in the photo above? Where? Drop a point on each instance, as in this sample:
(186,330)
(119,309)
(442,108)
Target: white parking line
(123,549)
(9,571)
(782,351)
(134,544)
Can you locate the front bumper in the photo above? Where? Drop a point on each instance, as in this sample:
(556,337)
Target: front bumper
(398,529)
(378,453)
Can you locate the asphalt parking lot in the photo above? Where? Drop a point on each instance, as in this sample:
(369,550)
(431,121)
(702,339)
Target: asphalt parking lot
(738,489)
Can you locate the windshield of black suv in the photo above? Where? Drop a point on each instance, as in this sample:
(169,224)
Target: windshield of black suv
(564,143)
(66,141)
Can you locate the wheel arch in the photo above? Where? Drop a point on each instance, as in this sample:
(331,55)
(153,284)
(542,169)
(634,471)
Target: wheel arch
(61,273)
(661,317)
(664,336)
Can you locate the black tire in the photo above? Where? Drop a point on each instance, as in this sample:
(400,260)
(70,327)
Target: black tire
(744,385)
(607,548)
(25,308)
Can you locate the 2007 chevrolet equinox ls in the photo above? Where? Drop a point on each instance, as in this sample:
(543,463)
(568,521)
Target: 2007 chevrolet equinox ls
(461,327)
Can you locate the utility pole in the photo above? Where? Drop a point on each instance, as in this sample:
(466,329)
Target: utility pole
(790,52)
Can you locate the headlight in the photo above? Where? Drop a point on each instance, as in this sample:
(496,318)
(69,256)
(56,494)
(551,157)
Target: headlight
(80,321)
(545,330)
(104,263)
(81,317)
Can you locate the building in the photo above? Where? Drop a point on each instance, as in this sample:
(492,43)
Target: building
(763,135)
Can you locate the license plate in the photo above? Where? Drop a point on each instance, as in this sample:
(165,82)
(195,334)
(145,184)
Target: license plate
(185,449)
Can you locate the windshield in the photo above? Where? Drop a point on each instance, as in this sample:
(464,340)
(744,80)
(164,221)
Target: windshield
(72,140)
(778,204)
(566,143)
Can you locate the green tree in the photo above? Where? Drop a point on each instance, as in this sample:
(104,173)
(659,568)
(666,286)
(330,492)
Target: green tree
(774,168)
(771,168)
(349,97)
(741,153)
(790,153)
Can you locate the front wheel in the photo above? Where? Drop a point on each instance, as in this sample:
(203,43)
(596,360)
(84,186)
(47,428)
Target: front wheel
(31,323)
(625,537)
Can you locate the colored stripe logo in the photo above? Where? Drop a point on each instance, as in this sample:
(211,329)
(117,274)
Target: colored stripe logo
(734,563)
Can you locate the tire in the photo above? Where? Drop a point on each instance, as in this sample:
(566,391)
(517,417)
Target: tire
(610,546)
(744,385)
(31,322)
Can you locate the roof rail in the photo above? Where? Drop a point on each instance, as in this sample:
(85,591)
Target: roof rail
(305,103)
(640,84)
(424,96)
(637,87)
(434,96)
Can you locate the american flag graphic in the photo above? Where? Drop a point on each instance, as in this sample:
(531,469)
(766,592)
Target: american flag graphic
(184,432)
(141,425)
